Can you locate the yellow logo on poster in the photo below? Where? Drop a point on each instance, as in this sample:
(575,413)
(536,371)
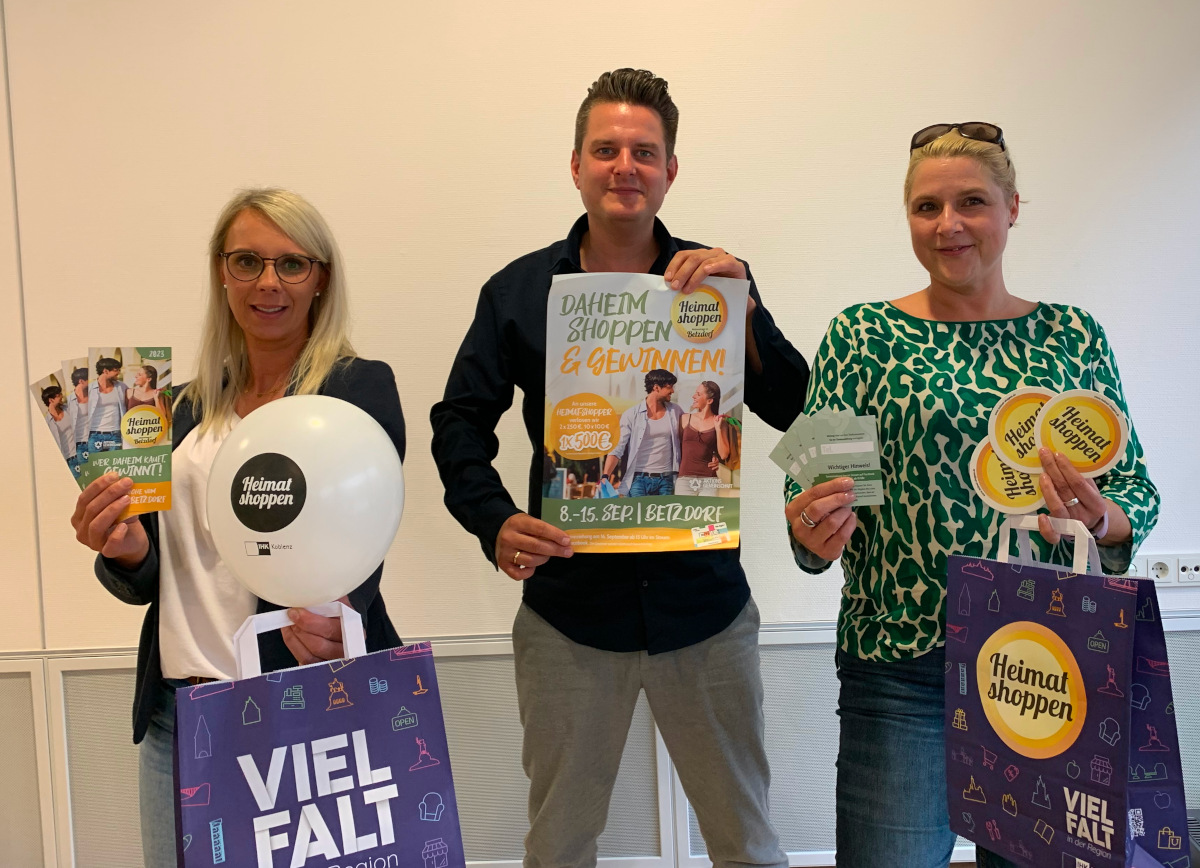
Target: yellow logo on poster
(700,316)
(143,426)
(1031,689)
(584,426)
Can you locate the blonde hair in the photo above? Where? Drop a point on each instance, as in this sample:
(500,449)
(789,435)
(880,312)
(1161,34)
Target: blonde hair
(997,162)
(223,370)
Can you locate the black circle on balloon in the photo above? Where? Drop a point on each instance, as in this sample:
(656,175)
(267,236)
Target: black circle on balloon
(268,492)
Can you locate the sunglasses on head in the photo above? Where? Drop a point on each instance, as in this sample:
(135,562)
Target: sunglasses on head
(978,130)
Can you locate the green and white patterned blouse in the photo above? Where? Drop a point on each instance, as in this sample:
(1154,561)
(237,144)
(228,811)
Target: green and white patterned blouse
(932,386)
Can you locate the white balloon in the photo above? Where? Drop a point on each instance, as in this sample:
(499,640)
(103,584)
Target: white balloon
(304,499)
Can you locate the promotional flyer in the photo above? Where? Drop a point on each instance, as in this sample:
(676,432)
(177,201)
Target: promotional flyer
(129,422)
(644,399)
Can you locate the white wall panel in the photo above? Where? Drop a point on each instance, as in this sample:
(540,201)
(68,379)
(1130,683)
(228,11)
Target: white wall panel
(26,823)
(20,618)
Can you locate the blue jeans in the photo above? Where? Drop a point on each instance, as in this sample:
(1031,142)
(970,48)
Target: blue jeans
(647,486)
(891,766)
(156,780)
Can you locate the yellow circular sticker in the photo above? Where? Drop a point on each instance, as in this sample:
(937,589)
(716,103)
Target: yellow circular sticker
(1085,426)
(1031,689)
(700,316)
(143,426)
(1002,487)
(1012,428)
(583,426)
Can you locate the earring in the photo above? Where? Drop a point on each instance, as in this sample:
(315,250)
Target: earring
(318,295)
(224,287)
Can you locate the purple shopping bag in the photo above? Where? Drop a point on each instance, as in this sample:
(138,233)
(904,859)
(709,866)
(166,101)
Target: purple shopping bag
(342,764)
(1061,745)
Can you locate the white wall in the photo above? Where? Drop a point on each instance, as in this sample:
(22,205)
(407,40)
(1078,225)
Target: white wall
(435,138)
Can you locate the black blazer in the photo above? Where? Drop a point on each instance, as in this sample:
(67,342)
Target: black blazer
(366,384)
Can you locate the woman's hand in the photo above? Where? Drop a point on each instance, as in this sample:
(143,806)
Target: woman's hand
(1069,495)
(821,518)
(96,525)
(313,638)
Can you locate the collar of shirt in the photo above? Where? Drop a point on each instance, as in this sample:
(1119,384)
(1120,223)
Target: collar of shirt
(568,261)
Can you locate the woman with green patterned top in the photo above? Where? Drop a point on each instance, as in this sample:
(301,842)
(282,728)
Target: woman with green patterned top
(931,366)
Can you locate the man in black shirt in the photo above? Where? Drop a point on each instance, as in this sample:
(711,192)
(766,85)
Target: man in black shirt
(595,629)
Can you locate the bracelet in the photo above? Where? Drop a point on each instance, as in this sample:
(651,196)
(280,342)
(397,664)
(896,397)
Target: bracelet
(1100,529)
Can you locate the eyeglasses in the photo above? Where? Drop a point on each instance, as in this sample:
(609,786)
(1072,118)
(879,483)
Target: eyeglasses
(978,130)
(248,265)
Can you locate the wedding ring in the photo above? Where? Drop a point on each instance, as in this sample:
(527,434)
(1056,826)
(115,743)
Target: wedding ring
(517,559)
(808,522)
(1074,501)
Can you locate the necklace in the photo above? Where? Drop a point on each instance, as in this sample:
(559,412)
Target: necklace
(272,390)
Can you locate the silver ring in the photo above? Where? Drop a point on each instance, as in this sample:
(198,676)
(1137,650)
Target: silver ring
(808,522)
(1074,501)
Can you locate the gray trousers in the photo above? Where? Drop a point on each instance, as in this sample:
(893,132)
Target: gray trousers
(576,706)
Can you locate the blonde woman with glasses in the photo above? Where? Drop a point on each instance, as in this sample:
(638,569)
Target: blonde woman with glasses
(276,325)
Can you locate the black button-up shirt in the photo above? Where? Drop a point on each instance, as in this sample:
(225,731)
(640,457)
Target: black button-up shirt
(656,601)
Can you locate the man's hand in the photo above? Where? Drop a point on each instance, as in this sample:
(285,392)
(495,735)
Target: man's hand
(688,269)
(525,543)
(313,638)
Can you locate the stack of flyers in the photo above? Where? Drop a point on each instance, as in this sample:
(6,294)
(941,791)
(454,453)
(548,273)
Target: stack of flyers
(111,411)
(831,444)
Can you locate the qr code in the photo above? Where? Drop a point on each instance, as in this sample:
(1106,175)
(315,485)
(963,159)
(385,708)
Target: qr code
(1137,828)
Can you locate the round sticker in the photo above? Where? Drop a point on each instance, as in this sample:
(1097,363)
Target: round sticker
(268,492)
(1085,426)
(1002,487)
(1013,425)
(700,316)
(143,426)
(1031,689)
(584,426)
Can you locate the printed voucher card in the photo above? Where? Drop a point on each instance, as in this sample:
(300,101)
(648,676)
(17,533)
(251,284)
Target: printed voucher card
(128,404)
(831,444)
(644,399)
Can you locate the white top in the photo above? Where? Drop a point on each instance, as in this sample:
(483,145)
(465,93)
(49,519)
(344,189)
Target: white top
(64,433)
(201,604)
(656,446)
(80,417)
(106,409)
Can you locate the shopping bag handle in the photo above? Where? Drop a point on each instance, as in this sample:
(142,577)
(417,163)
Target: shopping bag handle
(1085,544)
(245,640)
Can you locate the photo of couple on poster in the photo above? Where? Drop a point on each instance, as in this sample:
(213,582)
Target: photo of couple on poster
(665,449)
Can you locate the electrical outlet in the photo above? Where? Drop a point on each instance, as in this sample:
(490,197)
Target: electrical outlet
(1162,569)
(1189,570)
(1138,568)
